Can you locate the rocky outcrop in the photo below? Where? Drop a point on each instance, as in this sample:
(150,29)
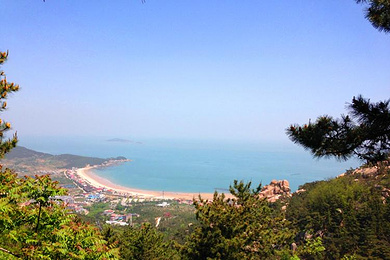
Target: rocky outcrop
(381,168)
(275,190)
(366,172)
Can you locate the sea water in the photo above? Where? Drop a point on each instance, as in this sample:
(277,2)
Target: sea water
(196,165)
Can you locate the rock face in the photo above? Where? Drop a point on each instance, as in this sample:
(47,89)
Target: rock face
(275,190)
(366,172)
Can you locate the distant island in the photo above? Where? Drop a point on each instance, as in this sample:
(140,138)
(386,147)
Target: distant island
(23,159)
(120,140)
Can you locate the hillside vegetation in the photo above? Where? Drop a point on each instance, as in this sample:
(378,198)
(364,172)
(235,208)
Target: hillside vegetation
(350,215)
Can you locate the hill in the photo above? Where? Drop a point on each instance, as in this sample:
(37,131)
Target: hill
(23,152)
(23,159)
(348,216)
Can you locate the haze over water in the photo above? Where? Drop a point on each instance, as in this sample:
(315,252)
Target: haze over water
(197,165)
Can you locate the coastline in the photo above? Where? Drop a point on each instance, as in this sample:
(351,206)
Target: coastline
(89,176)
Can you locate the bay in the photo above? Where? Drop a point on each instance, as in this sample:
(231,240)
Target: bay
(196,165)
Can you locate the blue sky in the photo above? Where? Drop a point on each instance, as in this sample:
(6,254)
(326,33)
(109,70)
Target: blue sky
(189,69)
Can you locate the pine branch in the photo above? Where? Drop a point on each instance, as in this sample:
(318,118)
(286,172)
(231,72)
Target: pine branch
(9,252)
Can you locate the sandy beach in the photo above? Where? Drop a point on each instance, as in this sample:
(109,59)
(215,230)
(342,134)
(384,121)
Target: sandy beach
(99,182)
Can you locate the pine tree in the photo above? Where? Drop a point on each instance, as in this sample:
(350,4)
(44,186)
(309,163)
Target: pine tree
(364,133)
(145,243)
(244,227)
(6,88)
(378,13)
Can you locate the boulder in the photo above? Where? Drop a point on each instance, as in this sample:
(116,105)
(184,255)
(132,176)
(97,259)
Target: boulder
(275,190)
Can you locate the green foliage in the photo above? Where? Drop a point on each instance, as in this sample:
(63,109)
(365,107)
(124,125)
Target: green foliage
(312,249)
(368,137)
(378,13)
(34,225)
(176,220)
(120,207)
(5,89)
(348,213)
(244,227)
(97,209)
(145,243)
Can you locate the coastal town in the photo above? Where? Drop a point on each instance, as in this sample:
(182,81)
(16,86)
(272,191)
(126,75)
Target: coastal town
(85,194)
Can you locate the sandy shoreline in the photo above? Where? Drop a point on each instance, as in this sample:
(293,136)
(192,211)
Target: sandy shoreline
(99,182)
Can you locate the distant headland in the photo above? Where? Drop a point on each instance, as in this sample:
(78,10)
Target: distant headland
(26,160)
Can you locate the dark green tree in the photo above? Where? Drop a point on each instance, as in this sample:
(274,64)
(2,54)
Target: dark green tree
(145,243)
(364,133)
(378,13)
(244,227)
(349,214)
